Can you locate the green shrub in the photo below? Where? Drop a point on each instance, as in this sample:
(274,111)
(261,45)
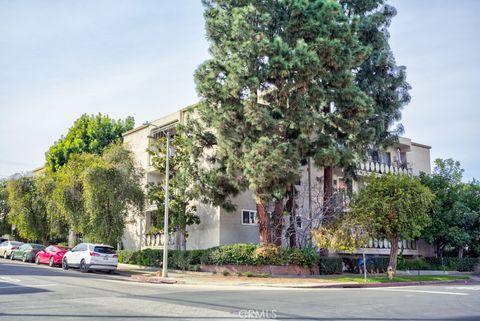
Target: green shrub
(413,264)
(241,254)
(194,268)
(306,257)
(330,265)
(268,254)
(233,254)
(125,256)
(465,264)
(226,273)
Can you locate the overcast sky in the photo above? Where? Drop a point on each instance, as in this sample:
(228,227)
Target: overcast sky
(60,59)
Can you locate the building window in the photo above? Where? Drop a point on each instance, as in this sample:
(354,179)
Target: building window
(249,217)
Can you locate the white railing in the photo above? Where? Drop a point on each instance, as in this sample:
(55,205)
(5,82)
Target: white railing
(157,240)
(367,168)
(385,244)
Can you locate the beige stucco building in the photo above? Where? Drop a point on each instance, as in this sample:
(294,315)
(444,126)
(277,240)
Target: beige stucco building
(218,227)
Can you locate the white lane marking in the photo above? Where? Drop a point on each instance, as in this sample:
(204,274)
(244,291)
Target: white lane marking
(418,291)
(26,286)
(471,288)
(9,279)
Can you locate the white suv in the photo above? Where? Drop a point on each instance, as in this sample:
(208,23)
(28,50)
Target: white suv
(87,256)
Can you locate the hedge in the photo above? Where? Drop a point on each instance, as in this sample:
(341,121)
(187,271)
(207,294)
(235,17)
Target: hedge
(465,264)
(240,254)
(253,254)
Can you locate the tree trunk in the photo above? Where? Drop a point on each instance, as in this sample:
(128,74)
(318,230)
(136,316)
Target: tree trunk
(327,193)
(293,223)
(72,238)
(310,217)
(278,222)
(440,249)
(184,238)
(393,253)
(460,252)
(263,223)
(178,238)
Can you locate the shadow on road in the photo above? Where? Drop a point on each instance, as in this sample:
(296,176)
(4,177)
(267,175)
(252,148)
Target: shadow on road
(7,288)
(9,268)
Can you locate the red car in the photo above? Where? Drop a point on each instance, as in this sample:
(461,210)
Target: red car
(52,255)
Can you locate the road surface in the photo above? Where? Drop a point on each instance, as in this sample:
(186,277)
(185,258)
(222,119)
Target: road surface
(30,292)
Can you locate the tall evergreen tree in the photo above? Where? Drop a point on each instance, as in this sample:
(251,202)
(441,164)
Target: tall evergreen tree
(281,73)
(378,76)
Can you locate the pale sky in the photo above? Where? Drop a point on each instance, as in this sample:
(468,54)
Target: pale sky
(60,59)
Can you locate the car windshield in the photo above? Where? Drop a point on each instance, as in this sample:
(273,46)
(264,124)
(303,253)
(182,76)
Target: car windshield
(63,248)
(15,243)
(104,250)
(38,246)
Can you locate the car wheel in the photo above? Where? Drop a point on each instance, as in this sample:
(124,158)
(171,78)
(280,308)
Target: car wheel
(65,264)
(12,257)
(83,266)
(37,259)
(51,262)
(111,271)
(24,258)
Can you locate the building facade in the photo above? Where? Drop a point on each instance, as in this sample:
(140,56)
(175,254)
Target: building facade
(218,227)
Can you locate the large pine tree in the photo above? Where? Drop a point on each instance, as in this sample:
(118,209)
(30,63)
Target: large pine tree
(378,76)
(280,86)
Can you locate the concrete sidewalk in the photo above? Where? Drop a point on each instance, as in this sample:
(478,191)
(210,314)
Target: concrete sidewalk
(152,275)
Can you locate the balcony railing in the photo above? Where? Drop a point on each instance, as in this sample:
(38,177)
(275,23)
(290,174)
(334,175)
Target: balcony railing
(385,244)
(367,168)
(157,240)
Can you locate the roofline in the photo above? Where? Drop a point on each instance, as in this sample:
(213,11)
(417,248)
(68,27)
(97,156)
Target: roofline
(37,169)
(143,126)
(421,145)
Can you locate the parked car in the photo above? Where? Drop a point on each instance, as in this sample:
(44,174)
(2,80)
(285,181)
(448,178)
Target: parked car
(87,256)
(52,255)
(7,246)
(26,252)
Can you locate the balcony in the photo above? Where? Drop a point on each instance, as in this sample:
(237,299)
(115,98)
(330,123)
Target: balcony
(382,247)
(367,168)
(156,240)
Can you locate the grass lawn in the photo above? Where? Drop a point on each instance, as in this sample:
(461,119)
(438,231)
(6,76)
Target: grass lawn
(403,278)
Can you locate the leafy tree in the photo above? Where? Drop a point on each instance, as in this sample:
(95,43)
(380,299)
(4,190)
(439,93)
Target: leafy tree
(182,194)
(455,213)
(28,209)
(395,207)
(69,194)
(277,67)
(111,187)
(90,134)
(5,227)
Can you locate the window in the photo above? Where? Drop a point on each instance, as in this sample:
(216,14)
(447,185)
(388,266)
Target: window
(104,250)
(249,217)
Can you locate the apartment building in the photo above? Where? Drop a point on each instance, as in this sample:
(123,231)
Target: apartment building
(218,227)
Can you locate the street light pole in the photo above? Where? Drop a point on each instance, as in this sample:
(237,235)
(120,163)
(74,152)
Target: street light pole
(165,219)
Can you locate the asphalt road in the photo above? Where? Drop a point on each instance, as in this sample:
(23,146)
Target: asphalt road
(30,292)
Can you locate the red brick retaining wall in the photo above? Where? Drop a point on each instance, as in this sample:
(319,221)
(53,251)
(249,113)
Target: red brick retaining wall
(270,269)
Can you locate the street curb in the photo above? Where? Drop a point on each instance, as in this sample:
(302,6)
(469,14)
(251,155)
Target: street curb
(155,279)
(383,285)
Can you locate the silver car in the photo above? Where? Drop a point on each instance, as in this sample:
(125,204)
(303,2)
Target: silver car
(6,248)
